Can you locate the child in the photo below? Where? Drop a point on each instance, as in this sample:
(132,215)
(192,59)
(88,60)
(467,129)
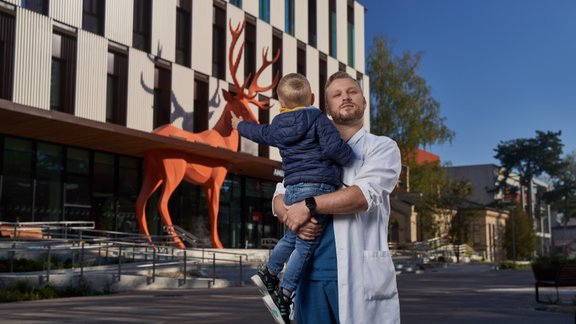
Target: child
(312,155)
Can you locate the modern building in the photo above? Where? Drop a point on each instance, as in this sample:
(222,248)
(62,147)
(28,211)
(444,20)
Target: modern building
(84,83)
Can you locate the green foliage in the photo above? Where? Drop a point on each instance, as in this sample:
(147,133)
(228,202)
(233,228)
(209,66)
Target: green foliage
(555,259)
(22,291)
(531,157)
(520,238)
(403,106)
(563,195)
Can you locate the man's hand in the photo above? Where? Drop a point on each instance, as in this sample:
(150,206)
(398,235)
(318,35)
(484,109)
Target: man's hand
(296,215)
(235,120)
(310,230)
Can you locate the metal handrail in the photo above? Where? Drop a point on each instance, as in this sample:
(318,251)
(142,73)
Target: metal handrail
(122,244)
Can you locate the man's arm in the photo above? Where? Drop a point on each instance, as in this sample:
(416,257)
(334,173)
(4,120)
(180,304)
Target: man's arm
(344,201)
(374,180)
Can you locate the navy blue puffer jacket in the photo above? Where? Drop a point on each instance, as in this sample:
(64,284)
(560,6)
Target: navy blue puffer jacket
(309,144)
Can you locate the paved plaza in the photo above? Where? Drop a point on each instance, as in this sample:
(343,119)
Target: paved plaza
(457,294)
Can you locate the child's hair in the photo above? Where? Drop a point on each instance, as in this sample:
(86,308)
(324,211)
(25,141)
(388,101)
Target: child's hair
(294,90)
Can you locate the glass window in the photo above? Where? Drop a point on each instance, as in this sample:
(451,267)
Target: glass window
(219,43)
(63,74)
(93,16)
(6,55)
(250,50)
(39,6)
(312,35)
(351,34)
(116,88)
(289,17)
(323,77)
(301,59)
(141,24)
(200,105)
(77,161)
(332,29)
(48,193)
(237,3)
(162,85)
(183,36)
(17,182)
(264,10)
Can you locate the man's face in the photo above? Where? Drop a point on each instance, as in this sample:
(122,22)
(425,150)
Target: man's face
(345,102)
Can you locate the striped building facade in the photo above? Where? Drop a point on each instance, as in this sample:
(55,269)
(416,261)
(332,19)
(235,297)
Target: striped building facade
(83,84)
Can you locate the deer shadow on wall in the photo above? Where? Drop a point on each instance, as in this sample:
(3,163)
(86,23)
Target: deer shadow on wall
(165,168)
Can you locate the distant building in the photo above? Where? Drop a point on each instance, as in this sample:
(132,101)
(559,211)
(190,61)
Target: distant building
(483,179)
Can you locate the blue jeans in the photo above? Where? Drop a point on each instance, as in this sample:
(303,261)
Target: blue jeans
(291,249)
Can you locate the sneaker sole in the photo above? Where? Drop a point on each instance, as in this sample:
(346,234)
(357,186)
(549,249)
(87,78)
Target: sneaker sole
(261,285)
(274,311)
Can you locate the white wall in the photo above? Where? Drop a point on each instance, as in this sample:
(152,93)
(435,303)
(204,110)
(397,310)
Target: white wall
(33,57)
(91,76)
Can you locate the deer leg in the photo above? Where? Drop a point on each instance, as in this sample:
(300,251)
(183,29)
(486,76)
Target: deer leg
(151,182)
(174,170)
(213,200)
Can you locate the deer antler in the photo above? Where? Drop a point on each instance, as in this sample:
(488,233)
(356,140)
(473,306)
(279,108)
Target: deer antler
(254,88)
(235,63)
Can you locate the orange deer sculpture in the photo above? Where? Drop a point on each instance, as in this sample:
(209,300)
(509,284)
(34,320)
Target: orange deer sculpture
(167,168)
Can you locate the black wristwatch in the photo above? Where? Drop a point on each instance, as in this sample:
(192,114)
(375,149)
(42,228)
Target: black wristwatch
(311,204)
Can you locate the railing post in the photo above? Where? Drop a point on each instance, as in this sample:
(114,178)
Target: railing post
(185,261)
(82,260)
(213,269)
(12,255)
(48,265)
(119,262)
(154,265)
(241,281)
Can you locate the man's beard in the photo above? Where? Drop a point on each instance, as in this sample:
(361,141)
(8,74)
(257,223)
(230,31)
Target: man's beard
(349,117)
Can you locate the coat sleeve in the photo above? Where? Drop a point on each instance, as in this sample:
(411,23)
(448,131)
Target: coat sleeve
(381,166)
(331,144)
(256,132)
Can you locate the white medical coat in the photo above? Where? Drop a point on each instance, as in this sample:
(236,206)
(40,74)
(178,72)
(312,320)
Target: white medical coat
(367,291)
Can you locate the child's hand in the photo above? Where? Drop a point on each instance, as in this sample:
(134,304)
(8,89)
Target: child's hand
(235,120)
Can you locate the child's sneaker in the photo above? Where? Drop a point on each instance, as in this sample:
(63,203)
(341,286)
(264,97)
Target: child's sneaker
(265,282)
(279,307)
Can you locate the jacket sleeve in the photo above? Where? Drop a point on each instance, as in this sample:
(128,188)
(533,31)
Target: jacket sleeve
(255,132)
(380,168)
(331,144)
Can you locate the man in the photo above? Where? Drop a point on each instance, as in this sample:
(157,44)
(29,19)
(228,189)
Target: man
(351,278)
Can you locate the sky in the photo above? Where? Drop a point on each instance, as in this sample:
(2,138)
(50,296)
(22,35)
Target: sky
(500,69)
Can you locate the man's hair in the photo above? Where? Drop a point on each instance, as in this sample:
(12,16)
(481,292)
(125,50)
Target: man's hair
(294,90)
(339,75)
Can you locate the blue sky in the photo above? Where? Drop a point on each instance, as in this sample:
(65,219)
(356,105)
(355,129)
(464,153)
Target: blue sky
(501,69)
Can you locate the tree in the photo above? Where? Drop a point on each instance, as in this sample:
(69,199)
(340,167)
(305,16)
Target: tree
(563,195)
(520,238)
(530,157)
(440,199)
(404,107)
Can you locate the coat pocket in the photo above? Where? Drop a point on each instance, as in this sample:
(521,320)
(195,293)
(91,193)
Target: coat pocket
(379,276)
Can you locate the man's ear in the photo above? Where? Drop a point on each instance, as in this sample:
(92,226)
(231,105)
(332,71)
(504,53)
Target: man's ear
(312,99)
